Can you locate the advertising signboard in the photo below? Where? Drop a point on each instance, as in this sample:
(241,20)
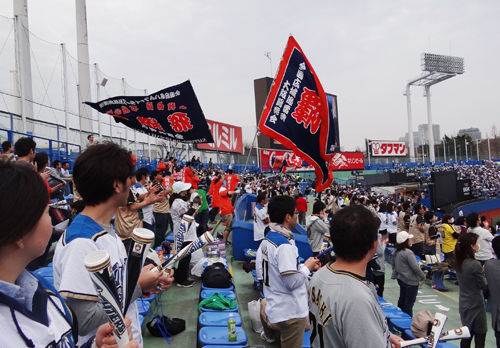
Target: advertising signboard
(272,160)
(227,138)
(387,148)
(347,161)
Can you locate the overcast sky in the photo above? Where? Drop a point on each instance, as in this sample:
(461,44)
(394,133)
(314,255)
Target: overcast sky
(362,51)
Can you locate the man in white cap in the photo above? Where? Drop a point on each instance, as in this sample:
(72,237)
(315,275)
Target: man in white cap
(179,206)
(407,272)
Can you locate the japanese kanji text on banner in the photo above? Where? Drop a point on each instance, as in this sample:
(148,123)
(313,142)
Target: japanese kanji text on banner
(172,113)
(227,138)
(347,161)
(296,113)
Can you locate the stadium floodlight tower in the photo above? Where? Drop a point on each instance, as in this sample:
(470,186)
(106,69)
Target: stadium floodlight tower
(435,68)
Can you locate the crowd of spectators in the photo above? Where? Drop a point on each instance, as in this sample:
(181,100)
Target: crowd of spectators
(161,199)
(485,178)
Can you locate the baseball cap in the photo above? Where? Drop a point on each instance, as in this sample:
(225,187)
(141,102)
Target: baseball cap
(193,196)
(180,186)
(402,237)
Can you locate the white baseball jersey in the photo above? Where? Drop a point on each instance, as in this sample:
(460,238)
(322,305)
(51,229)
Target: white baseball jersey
(72,279)
(276,257)
(147,210)
(178,208)
(41,316)
(392,222)
(344,312)
(259,214)
(383,220)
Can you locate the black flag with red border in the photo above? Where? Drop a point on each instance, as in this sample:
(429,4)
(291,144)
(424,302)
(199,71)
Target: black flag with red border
(296,113)
(172,113)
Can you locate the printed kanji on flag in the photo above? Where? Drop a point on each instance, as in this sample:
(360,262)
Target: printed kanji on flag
(172,113)
(307,110)
(307,129)
(179,121)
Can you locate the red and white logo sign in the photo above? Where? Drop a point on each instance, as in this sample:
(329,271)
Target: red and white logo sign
(281,161)
(388,148)
(347,161)
(226,138)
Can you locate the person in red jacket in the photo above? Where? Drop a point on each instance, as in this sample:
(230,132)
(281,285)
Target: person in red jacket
(226,211)
(302,209)
(161,166)
(189,176)
(232,181)
(213,191)
(133,158)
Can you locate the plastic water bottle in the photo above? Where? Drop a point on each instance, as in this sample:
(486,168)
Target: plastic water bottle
(231,328)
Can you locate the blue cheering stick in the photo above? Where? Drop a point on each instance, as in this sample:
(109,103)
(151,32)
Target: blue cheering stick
(324,252)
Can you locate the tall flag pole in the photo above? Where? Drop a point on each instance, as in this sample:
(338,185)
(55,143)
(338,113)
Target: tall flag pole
(296,113)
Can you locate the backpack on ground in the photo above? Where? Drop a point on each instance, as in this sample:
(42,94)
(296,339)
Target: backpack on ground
(216,276)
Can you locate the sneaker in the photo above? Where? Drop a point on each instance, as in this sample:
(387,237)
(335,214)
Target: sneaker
(228,242)
(220,236)
(186,284)
(265,338)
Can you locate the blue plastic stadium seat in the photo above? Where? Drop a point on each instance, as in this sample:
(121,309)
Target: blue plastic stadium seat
(226,293)
(218,335)
(143,306)
(396,315)
(381,300)
(407,335)
(401,324)
(387,306)
(306,342)
(392,311)
(218,318)
(169,237)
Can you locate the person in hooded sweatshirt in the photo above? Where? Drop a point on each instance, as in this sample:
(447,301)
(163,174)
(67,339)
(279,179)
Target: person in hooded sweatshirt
(317,226)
